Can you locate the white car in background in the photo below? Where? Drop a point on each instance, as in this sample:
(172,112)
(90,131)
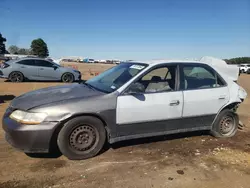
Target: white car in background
(244,68)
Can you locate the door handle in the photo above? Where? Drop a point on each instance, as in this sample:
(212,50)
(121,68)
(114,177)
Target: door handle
(174,103)
(222,97)
(41,68)
(23,67)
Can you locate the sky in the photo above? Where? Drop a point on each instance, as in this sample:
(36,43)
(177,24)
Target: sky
(130,29)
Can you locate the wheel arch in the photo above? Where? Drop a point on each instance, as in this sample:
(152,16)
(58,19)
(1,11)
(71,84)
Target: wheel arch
(24,77)
(231,106)
(15,71)
(67,72)
(53,140)
(85,114)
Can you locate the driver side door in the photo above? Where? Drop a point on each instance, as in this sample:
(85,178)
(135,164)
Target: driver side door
(154,111)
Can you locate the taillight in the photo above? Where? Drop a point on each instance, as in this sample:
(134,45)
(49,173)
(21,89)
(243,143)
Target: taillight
(4,65)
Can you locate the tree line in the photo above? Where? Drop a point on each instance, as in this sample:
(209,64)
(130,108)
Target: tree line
(38,47)
(238,60)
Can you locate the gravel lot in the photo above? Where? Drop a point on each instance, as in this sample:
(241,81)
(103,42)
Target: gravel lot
(187,160)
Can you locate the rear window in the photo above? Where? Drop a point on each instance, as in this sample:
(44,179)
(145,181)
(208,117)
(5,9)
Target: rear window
(9,61)
(29,62)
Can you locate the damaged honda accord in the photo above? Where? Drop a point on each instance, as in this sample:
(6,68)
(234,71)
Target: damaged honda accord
(128,101)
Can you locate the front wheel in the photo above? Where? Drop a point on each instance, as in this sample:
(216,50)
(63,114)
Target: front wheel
(81,138)
(67,78)
(226,124)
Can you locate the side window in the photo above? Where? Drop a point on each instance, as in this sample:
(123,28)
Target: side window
(159,80)
(42,63)
(29,62)
(160,72)
(199,77)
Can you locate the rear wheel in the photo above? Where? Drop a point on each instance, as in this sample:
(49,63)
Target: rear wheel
(16,77)
(68,78)
(226,124)
(82,138)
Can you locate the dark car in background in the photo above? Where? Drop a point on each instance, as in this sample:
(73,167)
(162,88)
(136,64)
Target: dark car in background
(37,69)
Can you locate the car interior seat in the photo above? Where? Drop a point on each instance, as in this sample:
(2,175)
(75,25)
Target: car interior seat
(157,84)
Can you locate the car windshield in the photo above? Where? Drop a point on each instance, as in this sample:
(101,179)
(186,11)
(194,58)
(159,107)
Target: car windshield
(112,79)
(56,64)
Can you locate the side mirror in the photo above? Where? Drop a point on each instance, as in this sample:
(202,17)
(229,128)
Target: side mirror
(136,88)
(55,67)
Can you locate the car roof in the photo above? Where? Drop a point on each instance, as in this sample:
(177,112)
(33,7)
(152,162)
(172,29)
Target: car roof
(204,60)
(30,58)
(219,65)
(158,62)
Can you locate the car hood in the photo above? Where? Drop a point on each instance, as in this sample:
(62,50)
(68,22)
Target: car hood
(52,94)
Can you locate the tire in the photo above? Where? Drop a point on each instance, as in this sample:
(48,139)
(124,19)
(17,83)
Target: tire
(16,77)
(225,125)
(67,77)
(81,138)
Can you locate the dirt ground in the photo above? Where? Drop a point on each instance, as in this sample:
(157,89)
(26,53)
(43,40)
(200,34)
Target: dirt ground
(194,160)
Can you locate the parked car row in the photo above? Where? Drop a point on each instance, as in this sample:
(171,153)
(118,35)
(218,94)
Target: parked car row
(87,60)
(245,68)
(37,69)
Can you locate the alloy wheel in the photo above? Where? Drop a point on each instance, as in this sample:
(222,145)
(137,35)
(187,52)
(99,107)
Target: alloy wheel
(68,78)
(16,77)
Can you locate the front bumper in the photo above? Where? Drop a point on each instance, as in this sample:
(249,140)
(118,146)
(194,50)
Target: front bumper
(29,138)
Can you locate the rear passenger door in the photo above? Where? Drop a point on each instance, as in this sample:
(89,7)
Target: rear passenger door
(204,91)
(28,68)
(47,71)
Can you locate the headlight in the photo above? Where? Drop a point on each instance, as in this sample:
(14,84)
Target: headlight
(28,117)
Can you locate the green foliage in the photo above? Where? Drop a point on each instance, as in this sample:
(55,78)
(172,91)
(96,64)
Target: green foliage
(24,51)
(39,48)
(2,44)
(13,49)
(20,51)
(238,60)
